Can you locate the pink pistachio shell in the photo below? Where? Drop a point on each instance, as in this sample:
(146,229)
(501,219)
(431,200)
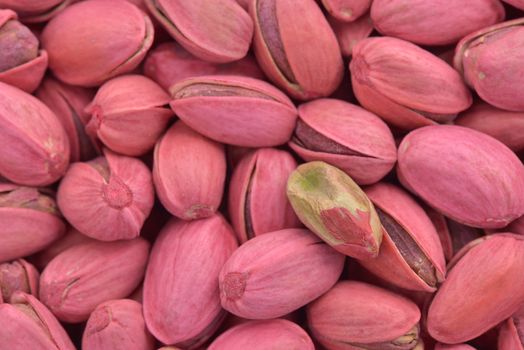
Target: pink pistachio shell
(275,334)
(505,126)
(213,31)
(436,22)
(486,191)
(406,85)
(276,273)
(299,53)
(482,289)
(169,63)
(257,194)
(129,114)
(357,315)
(27,230)
(440,346)
(181,297)
(34,149)
(27,324)
(516,3)
(18,275)
(103,39)
(490,60)
(35,11)
(80,278)
(108,198)
(517,226)
(68,103)
(235,110)
(189,171)
(509,335)
(350,33)
(346,10)
(117,325)
(346,136)
(405,258)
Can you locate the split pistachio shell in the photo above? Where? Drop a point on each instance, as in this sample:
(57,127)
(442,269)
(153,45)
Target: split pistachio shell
(278,272)
(346,10)
(80,278)
(490,269)
(87,54)
(213,31)
(490,61)
(35,11)
(335,208)
(350,33)
(306,63)
(406,85)
(129,114)
(235,110)
(411,255)
(346,136)
(18,275)
(181,295)
(257,194)
(356,315)
(34,146)
(436,22)
(189,172)
(486,191)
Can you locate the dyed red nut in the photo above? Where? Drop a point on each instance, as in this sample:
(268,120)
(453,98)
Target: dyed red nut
(511,332)
(107,198)
(350,33)
(490,269)
(68,103)
(275,334)
(440,346)
(235,110)
(257,194)
(346,10)
(213,31)
(21,63)
(29,219)
(35,149)
(181,296)
(357,315)
(189,172)
(437,22)
(505,126)
(18,275)
(82,277)
(486,191)
(118,325)
(405,85)
(129,114)
(346,136)
(411,255)
(31,11)
(306,63)
(490,61)
(103,39)
(169,63)
(27,324)
(276,273)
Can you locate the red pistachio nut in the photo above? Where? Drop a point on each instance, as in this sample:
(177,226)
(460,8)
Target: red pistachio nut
(235,110)
(129,114)
(107,198)
(257,194)
(213,31)
(189,172)
(490,61)
(18,275)
(511,332)
(437,22)
(276,273)
(406,85)
(32,11)
(82,277)
(181,295)
(350,33)
(35,149)
(485,191)
(346,136)
(103,39)
(440,346)
(306,63)
(346,10)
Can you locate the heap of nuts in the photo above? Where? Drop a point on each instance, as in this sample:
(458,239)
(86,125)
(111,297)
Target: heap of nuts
(261,174)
